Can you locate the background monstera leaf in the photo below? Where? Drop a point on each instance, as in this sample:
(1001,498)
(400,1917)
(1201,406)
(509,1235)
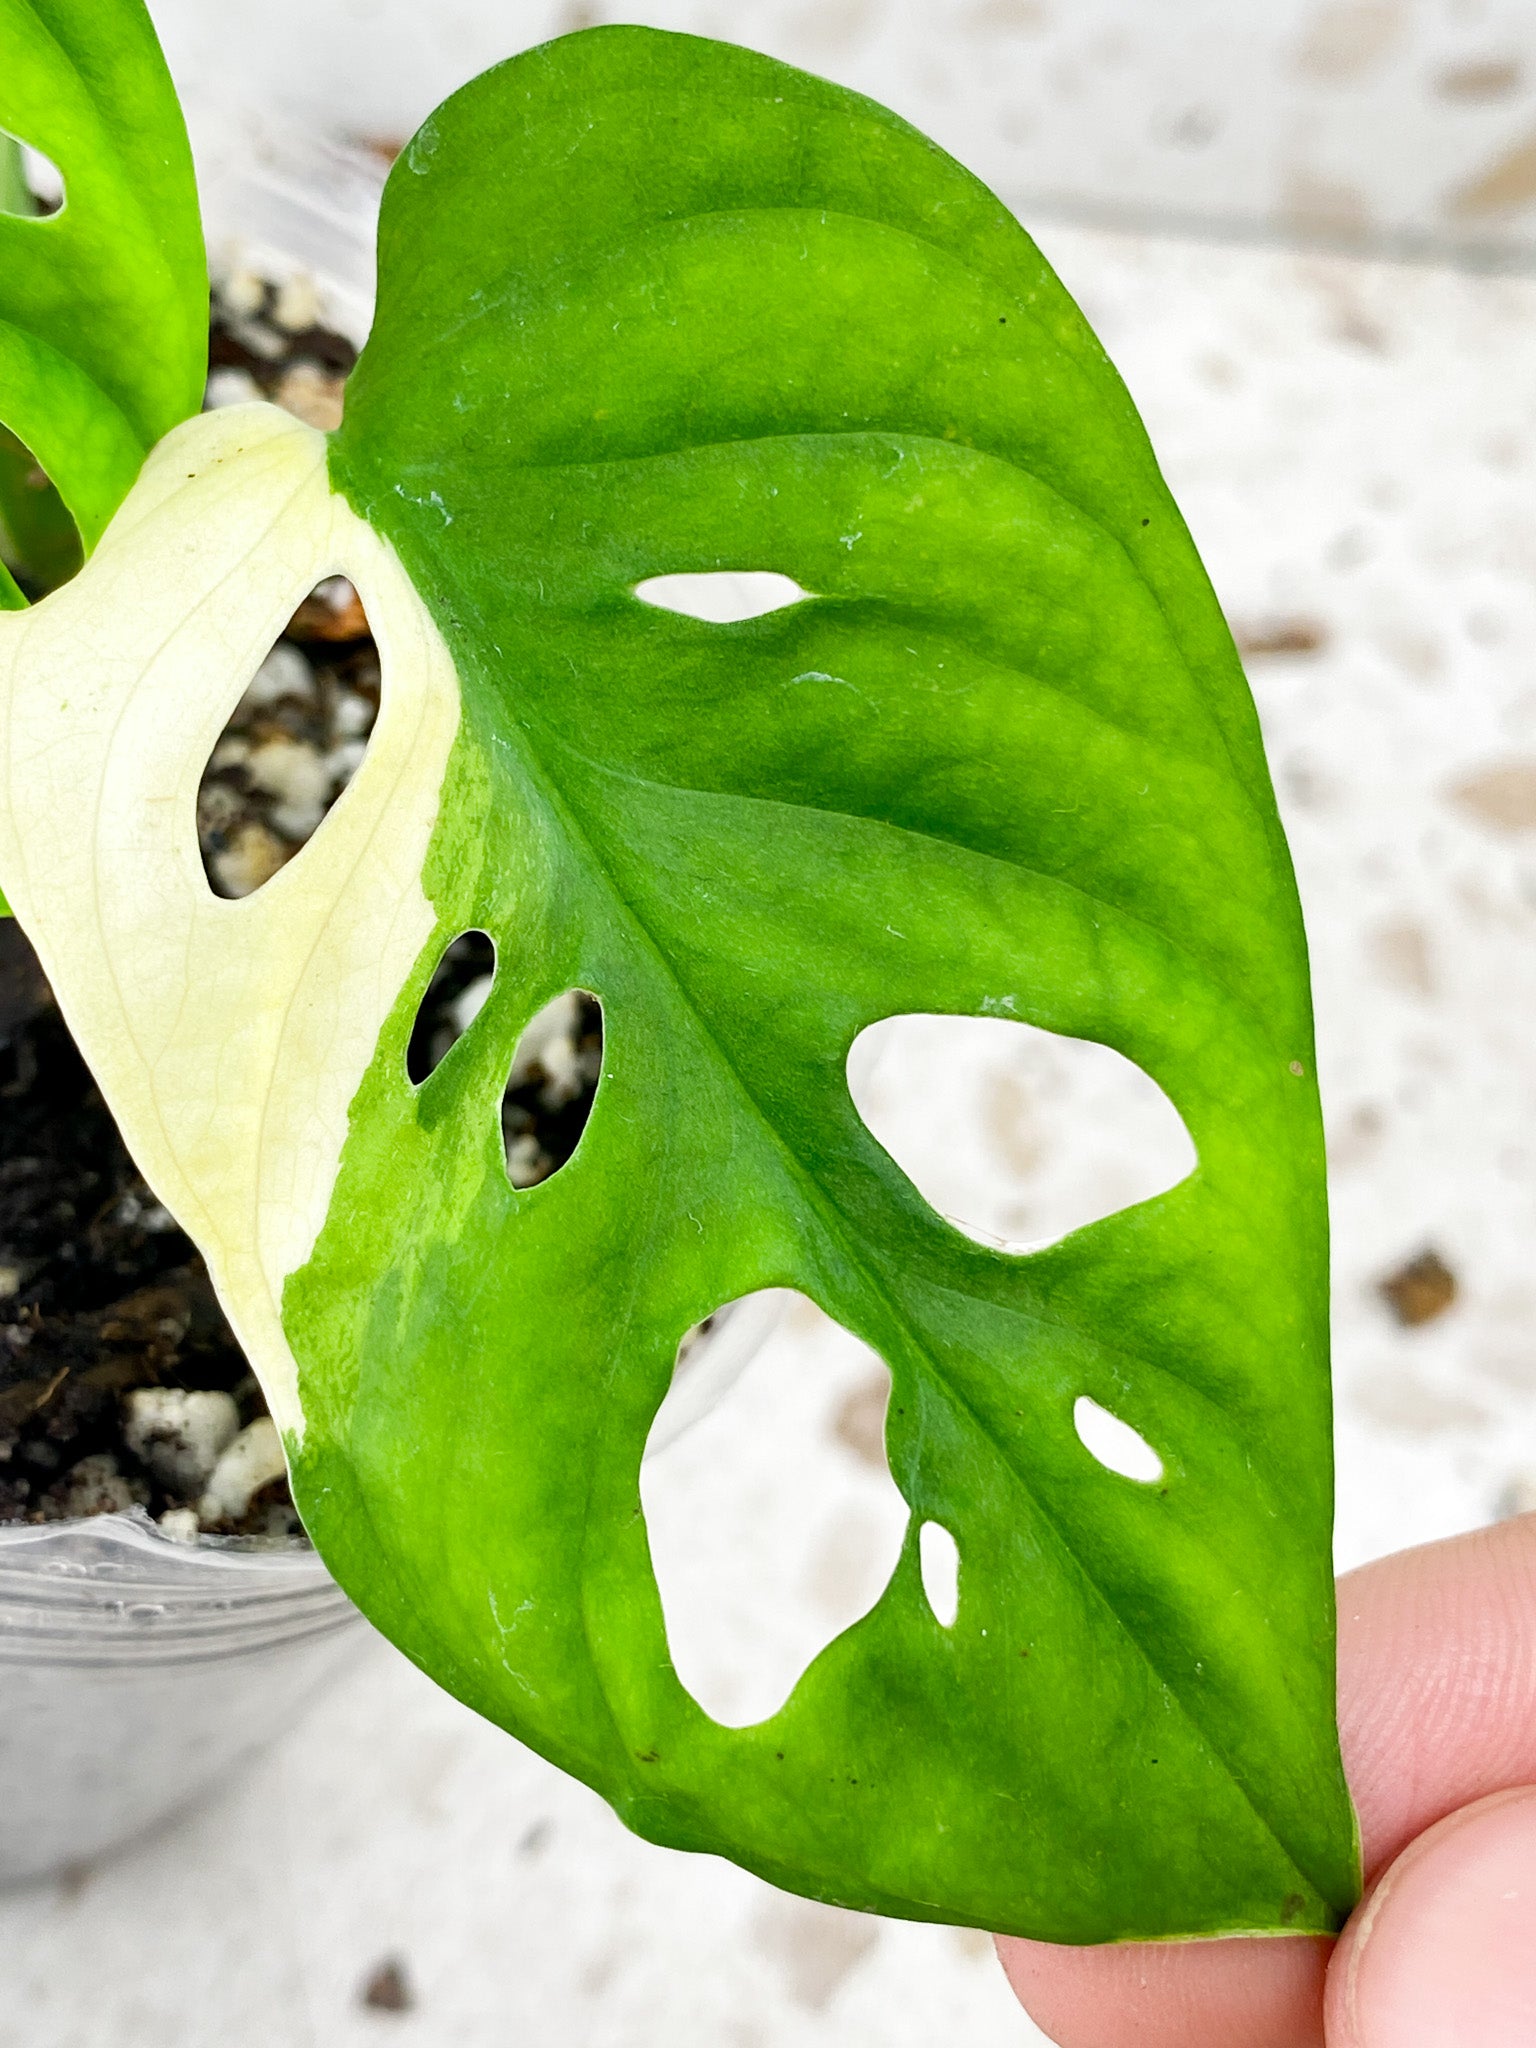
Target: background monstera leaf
(103,304)
(651,305)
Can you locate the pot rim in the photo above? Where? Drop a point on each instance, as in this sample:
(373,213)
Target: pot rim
(132,1533)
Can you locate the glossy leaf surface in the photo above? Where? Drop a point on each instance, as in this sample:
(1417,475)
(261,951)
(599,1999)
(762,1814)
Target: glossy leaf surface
(650,307)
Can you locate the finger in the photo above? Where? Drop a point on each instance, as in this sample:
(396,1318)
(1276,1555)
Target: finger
(1444,1950)
(1437,1681)
(1437,1708)
(1240,1994)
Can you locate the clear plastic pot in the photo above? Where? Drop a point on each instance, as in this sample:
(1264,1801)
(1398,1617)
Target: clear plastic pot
(278,201)
(137,1673)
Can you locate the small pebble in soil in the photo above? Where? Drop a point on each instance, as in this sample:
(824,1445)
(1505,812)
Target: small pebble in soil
(343,761)
(241,294)
(296,303)
(251,855)
(253,1460)
(386,1988)
(297,778)
(179,1433)
(332,611)
(353,716)
(284,673)
(260,344)
(95,1486)
(1420,1289)
(546,1036)
(470,1001)
(230,386)
(312,395)
(555,1072)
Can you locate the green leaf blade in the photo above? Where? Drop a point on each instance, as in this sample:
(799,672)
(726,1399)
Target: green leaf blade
(71,429)
(1002,762)
(103,305)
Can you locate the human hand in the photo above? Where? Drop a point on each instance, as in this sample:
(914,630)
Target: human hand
(1437,1713)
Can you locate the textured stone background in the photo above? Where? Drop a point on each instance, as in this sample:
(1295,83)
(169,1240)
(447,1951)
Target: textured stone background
(1338,118)
(1353,439)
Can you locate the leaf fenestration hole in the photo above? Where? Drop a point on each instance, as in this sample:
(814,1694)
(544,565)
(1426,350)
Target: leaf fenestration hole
(1015,1135)
(292,743)
(773,1527)
(555,1070)
(455,996)
(1116,1446)
(31,184)
(552,1086)
(722,597)
(710,1358)
(39,541)
(939,1556)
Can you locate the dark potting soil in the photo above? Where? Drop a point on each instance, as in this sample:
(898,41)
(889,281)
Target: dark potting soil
(100,1292)
(102,1295)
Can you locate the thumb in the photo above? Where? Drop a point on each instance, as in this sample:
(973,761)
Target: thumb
(1443,1952)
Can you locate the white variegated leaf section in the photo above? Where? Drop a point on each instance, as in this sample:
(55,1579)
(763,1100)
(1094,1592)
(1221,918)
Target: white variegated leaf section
(229,1038)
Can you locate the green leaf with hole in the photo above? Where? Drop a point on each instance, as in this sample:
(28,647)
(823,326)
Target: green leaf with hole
(103,303)
(651,306)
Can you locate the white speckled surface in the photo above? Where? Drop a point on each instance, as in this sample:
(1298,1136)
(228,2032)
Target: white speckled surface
(1355,447)
(1337,118)
(393,1823)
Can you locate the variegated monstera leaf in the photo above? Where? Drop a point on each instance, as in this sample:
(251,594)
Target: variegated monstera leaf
(651,305)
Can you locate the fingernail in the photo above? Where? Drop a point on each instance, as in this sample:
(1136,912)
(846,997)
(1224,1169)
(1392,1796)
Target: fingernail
(1443,1955)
